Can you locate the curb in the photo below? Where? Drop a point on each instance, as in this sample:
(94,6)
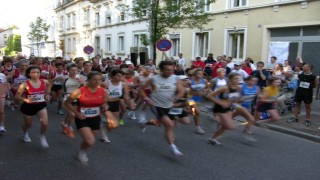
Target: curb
(285,130)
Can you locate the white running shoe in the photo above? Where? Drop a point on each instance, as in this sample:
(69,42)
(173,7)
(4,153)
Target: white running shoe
(199,130)
(133,115)
(43,141)
(214,142)
(26,138)
(2,129)
(176,151)
(82,157)
(249,137)
(105,139)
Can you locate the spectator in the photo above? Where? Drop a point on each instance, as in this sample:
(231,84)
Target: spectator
(153,67)
(179,70)
(262,75)
(182,61)
(241,72)
(118,62)
(278,71)
(224,65)
(272,64)
(246,67)
(251,63)
(216,66)
(286,66)
(208,64)
(230,64)
(99,58)
(198,63)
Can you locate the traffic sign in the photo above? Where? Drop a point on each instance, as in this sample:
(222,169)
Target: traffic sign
(88,49)
(164,45)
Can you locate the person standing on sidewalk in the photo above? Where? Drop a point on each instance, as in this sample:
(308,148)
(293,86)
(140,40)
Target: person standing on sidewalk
(306,83)
(262,75)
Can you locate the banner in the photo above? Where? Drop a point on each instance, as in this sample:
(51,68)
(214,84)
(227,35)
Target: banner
(279,50)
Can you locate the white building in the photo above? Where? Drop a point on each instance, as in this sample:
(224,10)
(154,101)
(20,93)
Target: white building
(101,25)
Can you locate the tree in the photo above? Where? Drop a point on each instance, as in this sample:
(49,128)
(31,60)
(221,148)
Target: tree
(13,45)
(38,33)
(163,15)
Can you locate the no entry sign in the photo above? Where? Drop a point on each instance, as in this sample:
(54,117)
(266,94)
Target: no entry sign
(88,49)
(164,45)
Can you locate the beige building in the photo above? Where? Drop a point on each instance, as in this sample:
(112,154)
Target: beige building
(249,28)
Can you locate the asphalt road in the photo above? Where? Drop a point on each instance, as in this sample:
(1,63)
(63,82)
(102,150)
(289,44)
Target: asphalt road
(136,155)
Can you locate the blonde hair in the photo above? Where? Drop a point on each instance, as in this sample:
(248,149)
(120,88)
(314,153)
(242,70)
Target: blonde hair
(220,70)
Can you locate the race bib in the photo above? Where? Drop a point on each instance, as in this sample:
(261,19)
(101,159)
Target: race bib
(305,85)
(36,97)
(90,112)
(175,111)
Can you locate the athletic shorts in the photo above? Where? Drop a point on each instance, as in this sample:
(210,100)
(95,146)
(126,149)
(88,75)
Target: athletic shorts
(114,106)
(93,123)
(32,109)
(131,95)
(160,112)
(219,109)
(306,98)
(263,107)
(56,88)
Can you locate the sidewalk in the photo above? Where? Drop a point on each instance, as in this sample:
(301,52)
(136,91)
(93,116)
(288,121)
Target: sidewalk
(297,129)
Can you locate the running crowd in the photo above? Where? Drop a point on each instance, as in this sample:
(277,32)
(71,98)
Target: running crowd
(96,94)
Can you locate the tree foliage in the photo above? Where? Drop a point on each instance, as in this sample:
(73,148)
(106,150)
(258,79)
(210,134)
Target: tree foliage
(164,15)
(38,32)
(13,45)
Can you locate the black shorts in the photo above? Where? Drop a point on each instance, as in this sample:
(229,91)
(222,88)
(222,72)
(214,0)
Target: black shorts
(56,88)
(263,107)
(306,98)
(93,123)
(32,109)
(131,95)
(219,109)
(114,106)
(160,112)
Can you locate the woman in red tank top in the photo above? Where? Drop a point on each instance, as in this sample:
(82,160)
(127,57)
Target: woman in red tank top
(34,93)
(92,102)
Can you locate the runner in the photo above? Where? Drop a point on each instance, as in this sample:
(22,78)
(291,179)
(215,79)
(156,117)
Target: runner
(92,101)
(304,92)
(56,78)
(198,88)
(129,80)
(164,87)
(34,93)
(222,106)
(87,66)
(4,88)
(71,83)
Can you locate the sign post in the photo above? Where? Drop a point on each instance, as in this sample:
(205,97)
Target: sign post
(88,50)
(163,45)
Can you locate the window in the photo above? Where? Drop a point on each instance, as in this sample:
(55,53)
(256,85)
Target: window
(202,44)
(97,44)
(69,46)
(5,36)
(237,3)
(74,20)
(136,40)
(61,23)
(97,19)
(175,7)
(203,5)
(74,49)
(121,18)
(235,44)
(108,44)
(175,40)
(86,16)
(121,43)
(68,21)
(108,19)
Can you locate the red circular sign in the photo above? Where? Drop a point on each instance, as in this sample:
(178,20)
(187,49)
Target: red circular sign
(164,45)
(88,49)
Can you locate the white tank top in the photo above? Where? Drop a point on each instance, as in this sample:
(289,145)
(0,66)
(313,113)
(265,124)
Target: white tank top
(165,89)
(57,76)
(114,91)
(220,83)
(71,85)
(20,79)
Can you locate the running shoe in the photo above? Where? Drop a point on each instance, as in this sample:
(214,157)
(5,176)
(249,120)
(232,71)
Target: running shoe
(64,128)
(176,151)
(214,142)
(43,142)
(70,132)
(199,130)
(143,126)
(249,137)
(2,130)
(133,115)
(60,112)
(82,157)
(105,139)
(26,138)
(307,123)
(292,120)
(121,122)
(245,130)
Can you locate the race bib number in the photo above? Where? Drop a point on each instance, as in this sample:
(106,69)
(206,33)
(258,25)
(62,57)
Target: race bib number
(36,97)
(90,112)
(175,111)
(305,85)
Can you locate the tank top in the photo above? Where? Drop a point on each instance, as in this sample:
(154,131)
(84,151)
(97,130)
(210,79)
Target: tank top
(90,102)
(248,95)
(198,87)
(272,92)
(18,78)
(130,83)
(44,72)
(219,83)
(114,91)
(57,75)
(305,83)
(3,85)
(69,86)
(232,95)
(36,94)
(165,89)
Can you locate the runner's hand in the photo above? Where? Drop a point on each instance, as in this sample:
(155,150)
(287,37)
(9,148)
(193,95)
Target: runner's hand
(80,116)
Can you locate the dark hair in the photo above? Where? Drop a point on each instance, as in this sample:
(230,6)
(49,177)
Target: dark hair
(91,74)
(260,62)
(59,64)
(272,79)
(232,75)
(116,71)
(124,66)
(273,57)
(165,63)
(85,62)
(7,59)
(195,71)
(249,78)
(30,68)
(71,66)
